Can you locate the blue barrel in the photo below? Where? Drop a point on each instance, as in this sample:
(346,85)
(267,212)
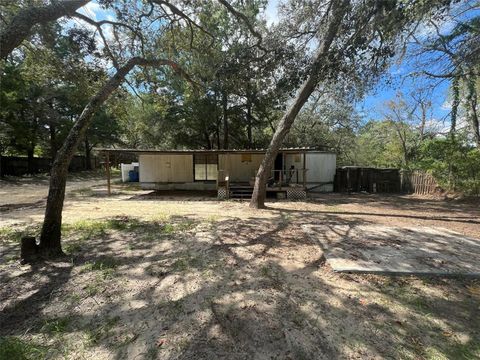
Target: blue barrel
(133,176)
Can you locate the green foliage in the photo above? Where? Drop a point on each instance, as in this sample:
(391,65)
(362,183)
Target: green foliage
(453,162)
(89,229)
(57,326)
(43,91)
(10,234)
(378,145)
(105,267)
(14,348)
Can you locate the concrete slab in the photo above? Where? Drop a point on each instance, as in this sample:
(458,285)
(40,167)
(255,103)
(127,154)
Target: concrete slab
(382,249)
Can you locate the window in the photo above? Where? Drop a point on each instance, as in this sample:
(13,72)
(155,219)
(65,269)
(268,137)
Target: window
(205,167)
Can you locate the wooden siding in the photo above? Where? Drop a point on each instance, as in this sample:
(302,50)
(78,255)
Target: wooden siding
(166,168)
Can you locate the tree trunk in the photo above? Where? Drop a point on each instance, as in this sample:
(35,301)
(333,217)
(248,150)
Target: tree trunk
(217,133)
(259,192)
(423,123)
(249,123)
(50,236)
(217,123)
(225,119)
(455,103)
(53,141)
(472,111)
(207,140)
(88,155)
(22,23)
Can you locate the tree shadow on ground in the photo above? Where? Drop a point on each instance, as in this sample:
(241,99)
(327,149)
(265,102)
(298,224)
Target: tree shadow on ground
(397,201)
(237,289)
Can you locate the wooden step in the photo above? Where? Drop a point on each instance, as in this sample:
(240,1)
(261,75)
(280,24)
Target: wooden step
(241,193)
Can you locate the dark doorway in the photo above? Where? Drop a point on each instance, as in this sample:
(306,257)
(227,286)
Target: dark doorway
(278,166)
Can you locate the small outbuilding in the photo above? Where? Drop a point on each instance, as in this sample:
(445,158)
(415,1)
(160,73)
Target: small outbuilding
(232,172)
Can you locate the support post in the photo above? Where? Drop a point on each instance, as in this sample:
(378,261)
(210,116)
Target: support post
(107,165)
(304,169)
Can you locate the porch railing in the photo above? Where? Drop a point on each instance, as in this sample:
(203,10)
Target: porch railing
(278,178)
(285,178)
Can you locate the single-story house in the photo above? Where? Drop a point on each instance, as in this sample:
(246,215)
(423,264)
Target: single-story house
(231,172)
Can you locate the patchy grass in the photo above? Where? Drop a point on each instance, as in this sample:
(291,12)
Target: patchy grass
(95,286)
(72,248)
(100,330)
(14,348)
(222,286)
(98,228)
(105,267)
(10,234)
(188,262)
(56,326)
(83,192)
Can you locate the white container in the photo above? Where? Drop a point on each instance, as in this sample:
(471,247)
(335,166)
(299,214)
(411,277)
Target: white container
(125,168)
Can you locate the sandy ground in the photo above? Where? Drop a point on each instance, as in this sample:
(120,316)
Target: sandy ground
(389,250)
(33,190)
(155,277)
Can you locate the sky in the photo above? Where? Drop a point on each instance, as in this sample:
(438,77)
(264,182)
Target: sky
(398,81)
(374,102)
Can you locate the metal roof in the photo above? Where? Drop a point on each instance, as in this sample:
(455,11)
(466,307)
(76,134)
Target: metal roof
(205,151)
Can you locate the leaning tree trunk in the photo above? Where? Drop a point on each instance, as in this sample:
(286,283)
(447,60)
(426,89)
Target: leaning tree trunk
(19,28)
(53,141)
(259,191)
(51,230)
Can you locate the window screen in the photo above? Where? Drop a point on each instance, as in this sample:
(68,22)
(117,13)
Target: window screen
(205,166)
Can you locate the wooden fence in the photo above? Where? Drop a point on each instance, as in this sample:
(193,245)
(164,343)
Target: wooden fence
(419,182)
(372,180)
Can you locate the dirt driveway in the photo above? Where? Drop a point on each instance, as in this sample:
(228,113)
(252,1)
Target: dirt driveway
(31,190)
(155,277)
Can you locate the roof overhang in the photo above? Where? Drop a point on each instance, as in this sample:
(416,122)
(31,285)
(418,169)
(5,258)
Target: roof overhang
(203,151)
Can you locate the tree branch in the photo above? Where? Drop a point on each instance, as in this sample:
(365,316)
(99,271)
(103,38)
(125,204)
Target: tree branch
(22,23)
(242,17)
